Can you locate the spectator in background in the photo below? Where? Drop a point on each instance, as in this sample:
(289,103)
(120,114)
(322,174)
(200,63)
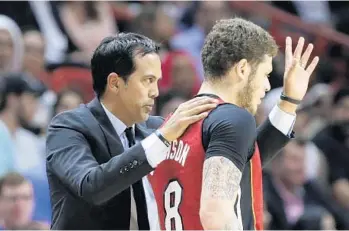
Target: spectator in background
(34,56)
(86,24)
(154,22)
(17,196)
(18,106)
(309,120)
(199,19)
(316,108)
(333,141)
(315,12)
(67,99)
(315,218)
(6,143)
(289,194)
(34,67)
(11,45)
(179,82)
(179,76)
(285,187)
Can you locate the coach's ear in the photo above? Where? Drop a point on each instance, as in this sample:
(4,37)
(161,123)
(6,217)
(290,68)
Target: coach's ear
(242,70)
(113,82)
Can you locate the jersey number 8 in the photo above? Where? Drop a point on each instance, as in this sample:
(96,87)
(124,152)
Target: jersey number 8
(172,200)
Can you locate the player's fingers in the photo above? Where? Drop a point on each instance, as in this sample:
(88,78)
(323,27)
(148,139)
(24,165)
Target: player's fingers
(288,52)
(306,55)
(200,109)
(299,48)
(312,65)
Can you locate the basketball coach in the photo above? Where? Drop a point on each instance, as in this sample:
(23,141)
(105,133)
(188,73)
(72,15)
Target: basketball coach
(98,154)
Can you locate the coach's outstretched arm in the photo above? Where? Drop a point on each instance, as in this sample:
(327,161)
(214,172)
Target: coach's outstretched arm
(296,80)
(70,158)
(229,140)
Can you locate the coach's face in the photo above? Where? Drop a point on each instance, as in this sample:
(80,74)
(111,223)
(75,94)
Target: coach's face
(138,94)
(258,83)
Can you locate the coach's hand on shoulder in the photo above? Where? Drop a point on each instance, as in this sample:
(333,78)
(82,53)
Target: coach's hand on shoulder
(297,71)
(186,114)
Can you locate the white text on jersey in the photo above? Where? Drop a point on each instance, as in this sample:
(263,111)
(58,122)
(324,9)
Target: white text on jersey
(178,152)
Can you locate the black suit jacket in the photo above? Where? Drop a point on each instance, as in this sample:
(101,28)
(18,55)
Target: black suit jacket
(89,172)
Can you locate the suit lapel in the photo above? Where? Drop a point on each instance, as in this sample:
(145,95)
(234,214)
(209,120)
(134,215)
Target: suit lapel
(112,139)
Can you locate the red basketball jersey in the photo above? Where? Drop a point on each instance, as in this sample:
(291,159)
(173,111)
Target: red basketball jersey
(177,182)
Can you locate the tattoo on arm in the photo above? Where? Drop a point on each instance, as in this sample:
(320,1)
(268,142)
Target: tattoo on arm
(221,178)
(221,181)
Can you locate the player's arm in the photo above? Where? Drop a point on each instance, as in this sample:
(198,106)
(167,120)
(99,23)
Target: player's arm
(274,133)
(220,187)
(228,133)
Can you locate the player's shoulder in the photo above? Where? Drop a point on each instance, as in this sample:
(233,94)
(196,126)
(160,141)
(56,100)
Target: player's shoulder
(230,114)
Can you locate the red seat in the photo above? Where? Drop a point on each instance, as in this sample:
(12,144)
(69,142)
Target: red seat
(72,77)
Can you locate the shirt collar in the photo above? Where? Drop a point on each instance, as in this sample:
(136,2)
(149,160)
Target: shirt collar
(118,125)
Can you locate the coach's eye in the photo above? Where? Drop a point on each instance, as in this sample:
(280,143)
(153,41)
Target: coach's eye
(148,80)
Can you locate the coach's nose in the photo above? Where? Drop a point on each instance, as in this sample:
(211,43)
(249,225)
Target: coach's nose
(154,91)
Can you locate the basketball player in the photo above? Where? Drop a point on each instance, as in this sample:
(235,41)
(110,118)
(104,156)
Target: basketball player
(211,178)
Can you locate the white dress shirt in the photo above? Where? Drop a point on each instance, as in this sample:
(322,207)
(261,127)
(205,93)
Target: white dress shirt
(156,152)
(281,120)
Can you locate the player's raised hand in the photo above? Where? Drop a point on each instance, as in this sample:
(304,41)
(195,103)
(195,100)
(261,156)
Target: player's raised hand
(186,114)
(298,69)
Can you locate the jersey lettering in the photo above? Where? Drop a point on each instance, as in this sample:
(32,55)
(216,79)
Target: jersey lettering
(178,152)
(172,201)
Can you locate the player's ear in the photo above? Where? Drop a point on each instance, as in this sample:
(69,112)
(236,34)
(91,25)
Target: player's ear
(113,82)
(242,70)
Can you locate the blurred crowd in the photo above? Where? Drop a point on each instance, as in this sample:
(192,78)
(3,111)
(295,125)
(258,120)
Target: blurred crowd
(45,49)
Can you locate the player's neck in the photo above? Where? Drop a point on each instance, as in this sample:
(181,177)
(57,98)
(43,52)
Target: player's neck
(228,95)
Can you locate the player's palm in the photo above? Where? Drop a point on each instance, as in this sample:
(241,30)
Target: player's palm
(297,73)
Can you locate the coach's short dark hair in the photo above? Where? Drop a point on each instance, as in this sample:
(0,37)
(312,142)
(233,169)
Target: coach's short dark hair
(231,40)
(116,54)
